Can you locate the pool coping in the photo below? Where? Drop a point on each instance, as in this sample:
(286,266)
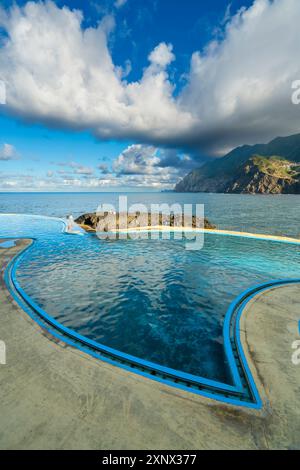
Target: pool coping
(231,333)
(230,233)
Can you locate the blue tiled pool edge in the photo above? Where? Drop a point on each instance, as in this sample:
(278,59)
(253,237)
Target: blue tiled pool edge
(234,395)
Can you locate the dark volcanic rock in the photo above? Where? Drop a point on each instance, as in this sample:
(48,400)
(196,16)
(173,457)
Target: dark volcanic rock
(265,176)
(272,168)
(94,222)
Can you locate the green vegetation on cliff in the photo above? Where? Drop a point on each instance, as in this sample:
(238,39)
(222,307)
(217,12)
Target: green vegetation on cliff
(272,168)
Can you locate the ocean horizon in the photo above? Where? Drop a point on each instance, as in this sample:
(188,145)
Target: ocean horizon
(269,214)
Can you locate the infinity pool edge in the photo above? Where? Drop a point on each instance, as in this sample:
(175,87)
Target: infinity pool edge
(88,346)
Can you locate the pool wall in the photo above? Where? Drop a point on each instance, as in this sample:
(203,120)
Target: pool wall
(243,393)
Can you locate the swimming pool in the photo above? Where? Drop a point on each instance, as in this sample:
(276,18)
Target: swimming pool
(151,300)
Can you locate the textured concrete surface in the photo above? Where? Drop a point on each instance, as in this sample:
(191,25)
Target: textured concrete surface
(55,397)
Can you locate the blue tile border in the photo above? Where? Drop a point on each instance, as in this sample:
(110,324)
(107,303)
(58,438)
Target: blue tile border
(240,394)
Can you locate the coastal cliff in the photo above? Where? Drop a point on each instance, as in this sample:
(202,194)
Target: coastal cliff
(272,168)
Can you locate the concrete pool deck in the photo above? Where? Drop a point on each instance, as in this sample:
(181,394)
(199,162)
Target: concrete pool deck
(53,396)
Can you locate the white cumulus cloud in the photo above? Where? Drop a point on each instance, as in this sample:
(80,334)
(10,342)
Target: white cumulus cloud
(8,152)
(60,74)
(120,3)
(162,55)
(136,160)
(150,166)
(238,88)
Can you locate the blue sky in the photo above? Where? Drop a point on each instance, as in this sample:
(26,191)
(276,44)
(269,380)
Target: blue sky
(133,94)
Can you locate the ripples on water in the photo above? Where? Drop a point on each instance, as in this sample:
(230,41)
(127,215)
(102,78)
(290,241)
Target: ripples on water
(278,215)
(152,299)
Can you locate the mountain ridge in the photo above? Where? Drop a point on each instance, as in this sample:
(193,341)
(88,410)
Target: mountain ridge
(246,170)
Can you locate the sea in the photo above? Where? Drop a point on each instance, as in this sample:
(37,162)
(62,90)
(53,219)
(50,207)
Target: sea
(269,214)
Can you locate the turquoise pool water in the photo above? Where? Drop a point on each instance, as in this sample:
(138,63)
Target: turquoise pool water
(149,298)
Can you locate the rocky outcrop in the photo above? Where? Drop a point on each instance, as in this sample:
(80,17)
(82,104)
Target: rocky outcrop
(93,222)
(266,176)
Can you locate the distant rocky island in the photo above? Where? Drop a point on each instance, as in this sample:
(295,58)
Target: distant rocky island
(92,222)
(272,168)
